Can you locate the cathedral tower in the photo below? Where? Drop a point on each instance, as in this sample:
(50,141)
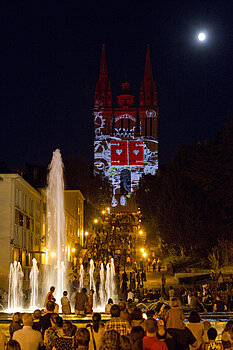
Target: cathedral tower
(126,136)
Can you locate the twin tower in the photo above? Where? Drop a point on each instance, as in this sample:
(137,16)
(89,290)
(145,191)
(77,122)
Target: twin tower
(126,135)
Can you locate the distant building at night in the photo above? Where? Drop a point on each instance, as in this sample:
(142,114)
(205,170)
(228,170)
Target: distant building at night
(126,135)
(23,225)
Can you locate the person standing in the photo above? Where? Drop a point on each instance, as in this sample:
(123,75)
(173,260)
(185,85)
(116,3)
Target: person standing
(28,338)
(65,304)
(45,319)
(123,327)
(49,296)
(150,341)
(89,305)
(80,302)
(16,323)
(96,332)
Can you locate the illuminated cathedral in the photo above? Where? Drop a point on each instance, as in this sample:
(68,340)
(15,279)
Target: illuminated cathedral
(126,135)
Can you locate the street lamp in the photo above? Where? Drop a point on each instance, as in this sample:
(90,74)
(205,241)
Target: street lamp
(144,254)
(95,221)
(140,232)
(73,250)
(53,254)
(142,250)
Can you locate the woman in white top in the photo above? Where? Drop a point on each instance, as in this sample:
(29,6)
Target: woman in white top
(196,327)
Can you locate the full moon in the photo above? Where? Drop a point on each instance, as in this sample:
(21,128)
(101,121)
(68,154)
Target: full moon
(201,36)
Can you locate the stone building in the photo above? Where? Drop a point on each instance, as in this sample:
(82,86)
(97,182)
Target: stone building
(23,225)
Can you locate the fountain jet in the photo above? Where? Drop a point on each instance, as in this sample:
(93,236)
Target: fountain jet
(34,274)
(15,292)
(56,226)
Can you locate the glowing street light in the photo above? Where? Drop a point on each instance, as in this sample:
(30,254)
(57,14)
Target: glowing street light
(73,250)
(86,233)
(103,212)
(95,221)
(142,250)
(144,254)
(53,254)
(140,232)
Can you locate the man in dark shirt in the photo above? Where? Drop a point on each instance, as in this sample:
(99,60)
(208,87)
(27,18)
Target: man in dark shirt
(80,302)
(36,322)
(183,338)
(45,320)
(219,305)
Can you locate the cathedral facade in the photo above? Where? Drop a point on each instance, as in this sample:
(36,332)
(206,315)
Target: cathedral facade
(126,135)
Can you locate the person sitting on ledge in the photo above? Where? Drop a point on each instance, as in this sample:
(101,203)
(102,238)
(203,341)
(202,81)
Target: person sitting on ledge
(49,296)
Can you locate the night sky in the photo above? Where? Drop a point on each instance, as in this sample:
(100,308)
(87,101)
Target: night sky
(50,55)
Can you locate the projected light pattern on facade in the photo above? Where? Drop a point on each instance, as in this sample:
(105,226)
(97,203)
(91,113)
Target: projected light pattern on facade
(126,143)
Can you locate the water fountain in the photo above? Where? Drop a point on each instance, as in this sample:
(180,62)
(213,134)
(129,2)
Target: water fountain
(92,282)
(34,274)
(110,281)
(55,275)
(15,292)
(81,276)
(102,289)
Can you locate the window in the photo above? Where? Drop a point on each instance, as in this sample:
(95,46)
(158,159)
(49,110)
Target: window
(31,207)
(17,197)
(21,219)
(16,235)
(27,222)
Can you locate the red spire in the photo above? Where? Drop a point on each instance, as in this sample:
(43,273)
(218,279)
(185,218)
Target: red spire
(148,94)
(148,74)
(103,65)
(103,92)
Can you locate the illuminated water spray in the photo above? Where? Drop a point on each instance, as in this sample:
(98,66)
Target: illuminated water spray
(92,281)
(81,276)
(15,292)
(110,281)
(102,289)
(34,274)
(55,276)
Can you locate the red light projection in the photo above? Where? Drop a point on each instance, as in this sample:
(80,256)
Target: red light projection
(136,154)
(127,153)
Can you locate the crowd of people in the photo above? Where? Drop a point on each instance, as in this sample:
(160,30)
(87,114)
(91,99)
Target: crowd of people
(127,329)
(210,297)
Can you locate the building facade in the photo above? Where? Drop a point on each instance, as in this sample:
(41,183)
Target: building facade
(126,135)
(23,225)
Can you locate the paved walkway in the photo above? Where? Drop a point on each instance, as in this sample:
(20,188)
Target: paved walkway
(154,280)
